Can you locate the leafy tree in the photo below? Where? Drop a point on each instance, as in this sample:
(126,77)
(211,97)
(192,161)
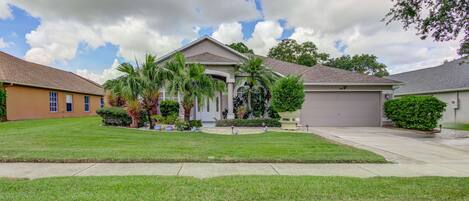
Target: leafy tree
(290,50)
(241,48)
(364,63)
(191,82)
(441,19)
(254,75)
(288,94)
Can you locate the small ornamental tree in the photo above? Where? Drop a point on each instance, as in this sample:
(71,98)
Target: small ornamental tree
(415,112)
(288,94)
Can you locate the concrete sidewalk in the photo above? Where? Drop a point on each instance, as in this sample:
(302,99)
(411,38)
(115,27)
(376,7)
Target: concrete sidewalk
(205,170)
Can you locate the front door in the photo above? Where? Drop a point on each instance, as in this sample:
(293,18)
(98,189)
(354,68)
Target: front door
(209,110)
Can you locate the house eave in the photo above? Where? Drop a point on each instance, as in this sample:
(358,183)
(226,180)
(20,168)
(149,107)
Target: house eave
(351,83)
(433,91)
(51,88)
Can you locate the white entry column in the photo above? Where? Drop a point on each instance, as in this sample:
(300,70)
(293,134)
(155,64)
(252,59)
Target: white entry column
(230,114)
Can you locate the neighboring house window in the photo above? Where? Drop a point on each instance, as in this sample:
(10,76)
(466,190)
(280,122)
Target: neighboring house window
(53,101)
(102,102)
(69,102)
(87,103)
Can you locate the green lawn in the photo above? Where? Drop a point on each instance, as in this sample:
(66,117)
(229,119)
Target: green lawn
(84,140)
(235,188)
(457,126)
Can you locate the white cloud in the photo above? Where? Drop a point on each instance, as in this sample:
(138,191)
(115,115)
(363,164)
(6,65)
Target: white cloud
(5,11)
(3,44)
(107,74)
(229,33)
(135,27)
(357,25)
(265,36)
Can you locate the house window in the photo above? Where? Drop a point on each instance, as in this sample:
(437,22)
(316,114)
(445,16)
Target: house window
(69,102)
(208,105)
(102,102)
(53,101)
(87,103)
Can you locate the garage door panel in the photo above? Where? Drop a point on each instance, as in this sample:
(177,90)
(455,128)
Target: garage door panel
(341,109)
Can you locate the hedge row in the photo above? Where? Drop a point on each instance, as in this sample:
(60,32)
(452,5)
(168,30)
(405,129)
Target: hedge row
(248,122)
(116,116)
(415,112)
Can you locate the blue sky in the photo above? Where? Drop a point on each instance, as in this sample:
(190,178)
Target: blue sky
(82,37)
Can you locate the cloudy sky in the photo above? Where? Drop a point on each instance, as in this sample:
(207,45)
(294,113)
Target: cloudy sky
(92,37)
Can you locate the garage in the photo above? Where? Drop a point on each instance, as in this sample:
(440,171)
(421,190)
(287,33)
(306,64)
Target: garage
(344,109)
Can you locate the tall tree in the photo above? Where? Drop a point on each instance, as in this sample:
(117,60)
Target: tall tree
(152,77)
(290,50)
(241,48)
(254,75)
(140,87)
(191,82)
(441,19)
(364,63)
(128,86)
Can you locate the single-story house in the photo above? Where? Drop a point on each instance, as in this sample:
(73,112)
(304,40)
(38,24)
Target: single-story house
(448,82)
(334,97)
(37,91)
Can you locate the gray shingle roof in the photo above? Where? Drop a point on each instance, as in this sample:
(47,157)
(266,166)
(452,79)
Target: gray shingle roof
(448,76)
(18,71)
(323,74)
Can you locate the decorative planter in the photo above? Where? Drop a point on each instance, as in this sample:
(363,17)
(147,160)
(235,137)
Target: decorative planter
(289,120)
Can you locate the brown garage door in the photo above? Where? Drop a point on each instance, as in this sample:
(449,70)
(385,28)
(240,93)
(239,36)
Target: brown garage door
(341,109)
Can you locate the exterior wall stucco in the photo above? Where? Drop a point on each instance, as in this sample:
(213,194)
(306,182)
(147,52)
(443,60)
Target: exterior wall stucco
(33,103)
(210,47)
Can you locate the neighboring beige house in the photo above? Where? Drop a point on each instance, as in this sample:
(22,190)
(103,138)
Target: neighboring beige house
(36,91)
(448,82)
(334,97)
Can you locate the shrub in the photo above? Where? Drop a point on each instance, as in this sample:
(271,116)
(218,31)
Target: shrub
(248,122)
(168,107)
(182,125)
(195,123)
(116,116)
(288,94)
(170,119)
(3,100)
(415,112)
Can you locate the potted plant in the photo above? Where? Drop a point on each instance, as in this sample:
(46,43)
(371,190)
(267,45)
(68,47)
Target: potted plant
(287,99)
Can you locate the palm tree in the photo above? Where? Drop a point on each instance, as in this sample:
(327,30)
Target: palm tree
(255,76)
(140,87)
(128,86)
(191,82)
(152,78)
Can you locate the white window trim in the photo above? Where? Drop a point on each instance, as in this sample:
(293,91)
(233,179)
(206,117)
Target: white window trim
(56,102)
(67,102)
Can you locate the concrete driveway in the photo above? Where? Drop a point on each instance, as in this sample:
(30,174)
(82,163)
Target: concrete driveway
(402,146)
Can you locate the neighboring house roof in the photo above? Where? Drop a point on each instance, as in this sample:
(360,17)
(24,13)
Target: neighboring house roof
(208,57)
(450,76)
(320,74)
(17,71)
